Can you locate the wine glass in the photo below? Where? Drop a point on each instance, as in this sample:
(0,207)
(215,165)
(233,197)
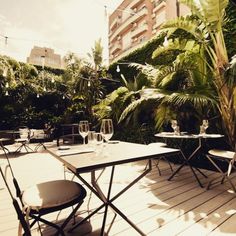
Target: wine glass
(107,129)
(91,138)
(98,138)
(98,142)
(83,129)
(204,126)
(174,124)
(205,123)
(175,127)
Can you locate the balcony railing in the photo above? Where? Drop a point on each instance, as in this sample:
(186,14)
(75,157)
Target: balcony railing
(128,23)
(159,5)
(139,30)
(135,3)
(116,47)
(115,23)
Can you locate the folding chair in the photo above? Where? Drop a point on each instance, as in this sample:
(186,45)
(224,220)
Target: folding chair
(157,160)
(229,157)
(39,136)
(37,201)
(24,135)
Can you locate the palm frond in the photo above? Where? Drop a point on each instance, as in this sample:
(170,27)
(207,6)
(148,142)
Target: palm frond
(185,23)
(147,69)
(198,100)
(162,115)
(146,98)
(213,11)
(124,81)
(193,6)
(176,44)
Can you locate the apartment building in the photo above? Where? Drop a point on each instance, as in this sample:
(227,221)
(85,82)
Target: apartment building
(134,22)
(44,56)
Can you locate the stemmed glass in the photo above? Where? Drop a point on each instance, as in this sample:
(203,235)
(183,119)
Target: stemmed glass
(83,129)
(204,126)
(107,129)
(174,125)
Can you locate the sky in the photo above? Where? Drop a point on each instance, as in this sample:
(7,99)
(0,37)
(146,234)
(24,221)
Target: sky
(63,25)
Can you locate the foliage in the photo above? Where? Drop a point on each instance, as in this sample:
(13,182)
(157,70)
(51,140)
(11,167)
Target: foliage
(207,30)
(195,53)
(115,102)
(33,95)
(96,55)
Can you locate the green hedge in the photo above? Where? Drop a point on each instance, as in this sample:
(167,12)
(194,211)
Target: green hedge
(143,54)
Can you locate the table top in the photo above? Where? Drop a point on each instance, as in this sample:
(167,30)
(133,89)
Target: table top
(112,154)
(4,139)
(184,135)
(12,131)
(70,125)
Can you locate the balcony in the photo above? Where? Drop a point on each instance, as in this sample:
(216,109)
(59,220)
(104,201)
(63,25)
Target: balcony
(139,30)
(127,24)
(159,4)
(160,19)
(157,25)
(135,3)
(115,23)
(114,47)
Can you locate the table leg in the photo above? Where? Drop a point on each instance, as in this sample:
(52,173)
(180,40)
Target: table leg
(107,200)
(186,162)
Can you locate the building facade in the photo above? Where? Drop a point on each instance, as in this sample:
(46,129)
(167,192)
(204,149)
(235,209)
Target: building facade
(134,22)
(44,56)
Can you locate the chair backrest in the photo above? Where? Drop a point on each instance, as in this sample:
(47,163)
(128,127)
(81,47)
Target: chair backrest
(231,164)
(24,133)
(38,134)
(15,202)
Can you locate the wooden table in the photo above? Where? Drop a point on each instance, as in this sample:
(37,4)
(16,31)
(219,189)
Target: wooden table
(112,155)
(199,137)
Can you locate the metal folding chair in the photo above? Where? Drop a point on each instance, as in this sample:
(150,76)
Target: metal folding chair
(37,201)
(157,160)
(214,156)
(24,135)
(40,137)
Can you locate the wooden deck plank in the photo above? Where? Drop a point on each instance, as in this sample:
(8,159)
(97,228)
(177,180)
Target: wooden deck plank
(187,214)
(211,221)
(156,205)
(227,227)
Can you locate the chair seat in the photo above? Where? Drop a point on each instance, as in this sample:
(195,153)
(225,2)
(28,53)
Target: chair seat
(19,140)
(52,194)
(158,144)
(222,153)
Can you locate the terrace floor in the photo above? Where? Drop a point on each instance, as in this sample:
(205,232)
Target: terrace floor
(157,206)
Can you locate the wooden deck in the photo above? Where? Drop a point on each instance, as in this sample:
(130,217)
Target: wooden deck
(157,206)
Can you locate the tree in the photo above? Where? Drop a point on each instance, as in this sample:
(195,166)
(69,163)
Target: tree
(96,55)
(116,102)
(207,30)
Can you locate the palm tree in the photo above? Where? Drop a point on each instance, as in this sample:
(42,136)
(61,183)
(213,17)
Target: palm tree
(116,102)
(96,55)
(173,87)
(207,30)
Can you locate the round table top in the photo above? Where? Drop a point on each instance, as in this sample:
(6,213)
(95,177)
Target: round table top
(187,136)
